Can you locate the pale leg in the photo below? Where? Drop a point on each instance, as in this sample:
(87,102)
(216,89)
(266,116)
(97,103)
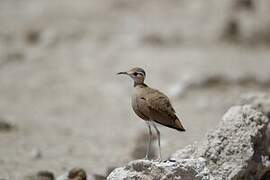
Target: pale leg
(159,148)
(149,139)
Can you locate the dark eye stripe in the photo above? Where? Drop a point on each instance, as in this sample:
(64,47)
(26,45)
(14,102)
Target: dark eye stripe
(137,73)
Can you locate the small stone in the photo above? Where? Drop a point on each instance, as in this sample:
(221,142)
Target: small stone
(77,174)
(40,175)
(45,175)
(74,174)
(6,125)
(32,36)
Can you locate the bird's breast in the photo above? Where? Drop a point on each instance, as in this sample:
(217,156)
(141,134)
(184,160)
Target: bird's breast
(136,95)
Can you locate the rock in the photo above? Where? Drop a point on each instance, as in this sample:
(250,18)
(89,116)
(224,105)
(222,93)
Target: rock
(246,22)
(103,177)
(259,101)
(32,36)
(77,174)
(40,175)
(237,149)
(6,125)
(189,169)
(74,174)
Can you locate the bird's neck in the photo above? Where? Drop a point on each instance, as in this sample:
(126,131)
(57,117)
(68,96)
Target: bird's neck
(140,84)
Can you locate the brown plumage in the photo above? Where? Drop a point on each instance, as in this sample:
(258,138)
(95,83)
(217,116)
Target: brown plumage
(152,105)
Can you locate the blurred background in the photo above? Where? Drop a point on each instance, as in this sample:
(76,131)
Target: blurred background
(62,104)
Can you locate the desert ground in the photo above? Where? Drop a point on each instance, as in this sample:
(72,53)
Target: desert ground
(68,108)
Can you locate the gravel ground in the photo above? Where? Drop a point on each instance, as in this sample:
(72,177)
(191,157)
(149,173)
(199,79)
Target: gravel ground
(58,83)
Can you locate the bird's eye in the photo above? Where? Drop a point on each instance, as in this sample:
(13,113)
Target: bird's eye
(135,74)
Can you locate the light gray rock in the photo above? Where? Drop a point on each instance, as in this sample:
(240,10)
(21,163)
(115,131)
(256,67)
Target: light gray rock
(259,101)
(188,169)
(237,149)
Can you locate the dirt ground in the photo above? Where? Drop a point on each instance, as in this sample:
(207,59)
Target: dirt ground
(58,83)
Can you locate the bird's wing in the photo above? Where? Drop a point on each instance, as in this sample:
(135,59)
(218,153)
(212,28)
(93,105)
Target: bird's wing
(141,108)
(160,102)
(161,110)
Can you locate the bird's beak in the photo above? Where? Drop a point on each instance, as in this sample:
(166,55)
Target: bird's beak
(123,73)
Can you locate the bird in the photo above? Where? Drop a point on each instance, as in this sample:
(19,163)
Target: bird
(152,106)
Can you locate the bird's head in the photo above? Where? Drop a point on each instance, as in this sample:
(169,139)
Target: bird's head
(137,74)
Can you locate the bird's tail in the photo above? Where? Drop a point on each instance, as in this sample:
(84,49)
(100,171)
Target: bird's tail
(179,126)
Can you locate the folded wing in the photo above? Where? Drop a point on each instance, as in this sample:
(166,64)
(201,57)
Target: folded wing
(158,108)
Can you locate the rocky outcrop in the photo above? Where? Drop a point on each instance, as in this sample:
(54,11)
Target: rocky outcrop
(188,169)
(237,149)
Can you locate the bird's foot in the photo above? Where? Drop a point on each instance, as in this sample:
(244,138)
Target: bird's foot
(146,158)
(159,160)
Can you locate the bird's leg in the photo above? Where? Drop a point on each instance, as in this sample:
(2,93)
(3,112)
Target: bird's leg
(159,148)
(149,140)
